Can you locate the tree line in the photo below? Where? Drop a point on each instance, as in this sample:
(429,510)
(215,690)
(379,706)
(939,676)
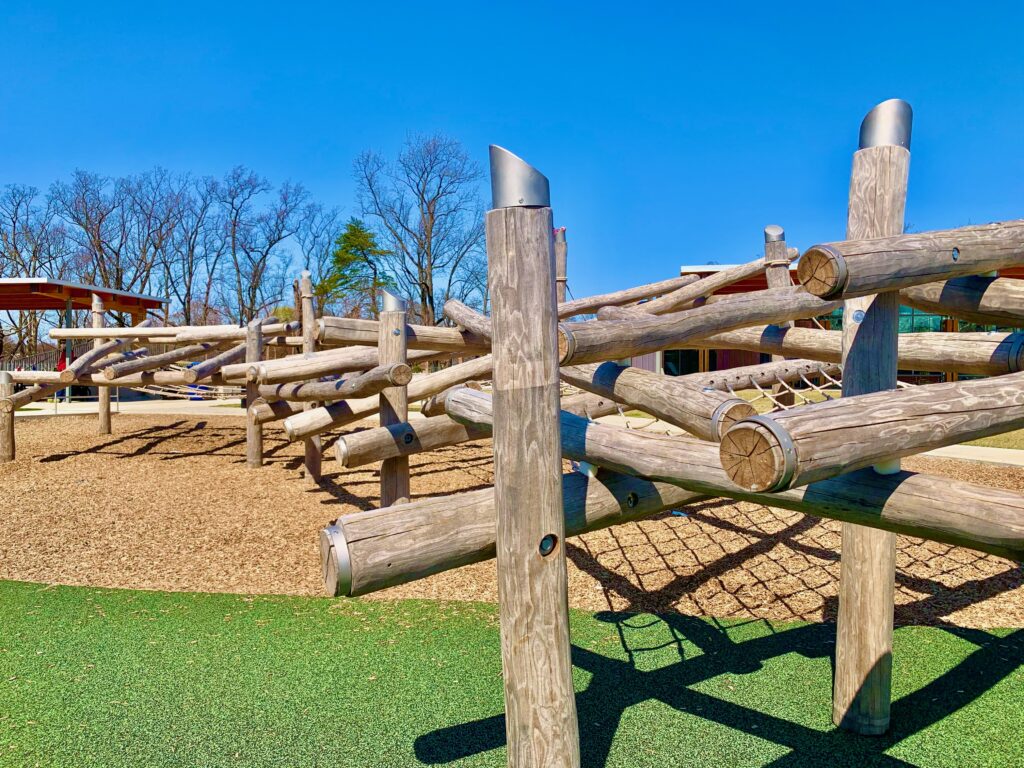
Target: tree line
(226,249)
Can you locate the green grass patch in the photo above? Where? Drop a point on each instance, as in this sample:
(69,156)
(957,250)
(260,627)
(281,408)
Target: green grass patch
(1013,440)
(111,678)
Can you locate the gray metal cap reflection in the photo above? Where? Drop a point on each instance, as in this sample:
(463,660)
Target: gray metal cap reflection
(773,233)
(888,124)
(515,183)
(391,303)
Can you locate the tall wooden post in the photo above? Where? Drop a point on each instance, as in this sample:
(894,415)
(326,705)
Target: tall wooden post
(878,191)
(561,263)
(776,272)
(312,445)
(103,399)
(253,429)
(7,450)
(540,707)
(68,350)
(394,403)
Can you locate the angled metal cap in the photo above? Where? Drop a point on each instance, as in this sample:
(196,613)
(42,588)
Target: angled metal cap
(392,303)
(773,233)
(515,183)
(335,563)
(888,124)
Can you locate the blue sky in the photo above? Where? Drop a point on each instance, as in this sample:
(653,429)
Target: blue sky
(671,134)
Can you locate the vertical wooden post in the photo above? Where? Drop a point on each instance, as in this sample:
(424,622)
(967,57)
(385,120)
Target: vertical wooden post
(103,393)
(776,272)
(540,707)
(878,191)
(394,405)
(68,349)
(7,450)
(561,263)
(253,429)
(311,445)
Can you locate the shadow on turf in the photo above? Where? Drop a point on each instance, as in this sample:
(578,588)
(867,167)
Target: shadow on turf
(618,684)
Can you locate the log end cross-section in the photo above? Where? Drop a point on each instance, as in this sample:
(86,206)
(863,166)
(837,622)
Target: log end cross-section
(822,271)
(757,456)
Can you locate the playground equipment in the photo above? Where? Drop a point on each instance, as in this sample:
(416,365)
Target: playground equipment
(535,379)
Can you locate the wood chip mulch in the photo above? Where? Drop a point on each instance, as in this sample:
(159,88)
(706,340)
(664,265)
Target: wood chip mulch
(167,503)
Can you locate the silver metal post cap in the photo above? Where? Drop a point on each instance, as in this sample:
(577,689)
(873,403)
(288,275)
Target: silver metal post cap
(773,233)
(888,124)
(392,303)
(515,183)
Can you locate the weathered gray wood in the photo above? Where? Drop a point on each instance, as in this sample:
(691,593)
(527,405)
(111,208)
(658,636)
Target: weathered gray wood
(207,368)
(253,429)
(264,412)
(540,706)
(704,412)
(395,545)
(978,299)
(312,448)
(199,333)
(763,375)
(403,440)
(154,362)
(434,405)
(842,435)
(861,266)
(988,354)
(363,384)
(963,514)
(331,362)
(863,675)
(356,331)
(339,414)
(87,362)
(776,273)
(102,394)
(394,408)
(561,264)
(469,319)
(590,304)
(171,334)
(7,445)
(612,340)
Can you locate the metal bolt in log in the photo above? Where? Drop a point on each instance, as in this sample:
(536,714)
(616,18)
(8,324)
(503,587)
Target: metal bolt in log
(540,707)
(394,403)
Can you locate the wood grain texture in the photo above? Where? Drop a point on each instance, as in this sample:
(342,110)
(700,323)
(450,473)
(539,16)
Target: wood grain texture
(977,299)
(588,304)
(540,705)
(776,271)
(561,264)
(312,448)
(207,368)
(356,331)
(394,408)
(403,440)
(865,264)
(764,374)
(598,341)
(103,393)
(8,450)
(330,362)
(363,384)
(863,676)
(88,361)
(253,428)
(434,405)
(397,545)
(963,514)
(154,362)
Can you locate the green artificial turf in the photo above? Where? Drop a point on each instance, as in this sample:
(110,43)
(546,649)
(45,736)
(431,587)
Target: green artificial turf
(93,677)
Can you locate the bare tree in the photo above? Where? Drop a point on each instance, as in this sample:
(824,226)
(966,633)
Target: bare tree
(196,248)
(426,209)
(317,230)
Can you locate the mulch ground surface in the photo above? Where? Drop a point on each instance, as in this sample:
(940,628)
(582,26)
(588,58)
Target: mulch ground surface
(167,503)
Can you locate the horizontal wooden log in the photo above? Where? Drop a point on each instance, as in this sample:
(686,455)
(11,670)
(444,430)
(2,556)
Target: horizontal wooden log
(199,333)
(612,340)
(317,420)
(434,405)
(363,384)
(153,362)
(369,551)
(953,512)
(327,363)
(852,268)
(704,412)
(87,362)
(171,334)
(977,299)
(469,319)
(988,354)
(763,374)
(589,304)
(683,298)
(263,412)
(815,442)
(207,368)
(356,331)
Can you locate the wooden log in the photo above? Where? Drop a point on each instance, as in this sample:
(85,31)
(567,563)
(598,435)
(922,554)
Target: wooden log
(434,405)
(764,374)
(924,506)
(776,272)
(331,362)
(540,707)
(362,384)
(312,448)
(704,412)
(863,677)
(402,440)
(7,445)
(264,412)
(369,551)
(88,360)
(339,414)
(357,331)
(207,368)
(102,394)
(394,407)
(612,340)
(154,362)
(253,428)
(986,353)
(590,304)
(985,300)
(469,319)
(862,266)
(828,439)
(561,264)
(171,334)
(233,333)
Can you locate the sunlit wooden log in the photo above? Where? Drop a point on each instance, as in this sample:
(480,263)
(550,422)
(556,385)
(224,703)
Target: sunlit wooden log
(978,299)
